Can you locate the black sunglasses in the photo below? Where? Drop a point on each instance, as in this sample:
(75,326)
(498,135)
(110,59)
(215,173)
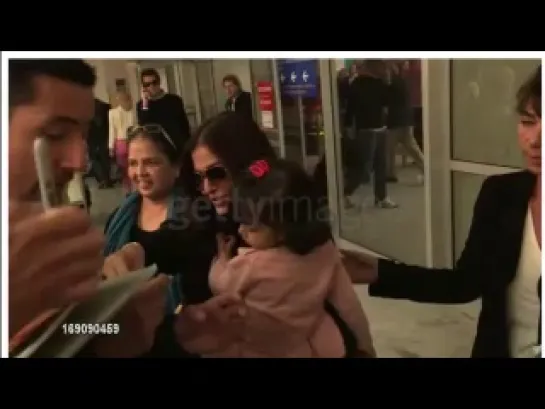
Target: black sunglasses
(214,174)
(151,129)
(149,84)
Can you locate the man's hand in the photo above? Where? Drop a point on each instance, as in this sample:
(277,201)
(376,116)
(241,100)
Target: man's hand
(225,246)
(137,321)
(54,260)
(208,326)
(362,268)
(131,257)
(145,98)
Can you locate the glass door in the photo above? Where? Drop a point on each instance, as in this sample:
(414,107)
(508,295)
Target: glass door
(353,188)
(301,110)
(206,89)
(187,75)
(266,98)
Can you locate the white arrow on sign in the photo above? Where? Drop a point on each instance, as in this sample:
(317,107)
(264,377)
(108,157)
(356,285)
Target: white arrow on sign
(282,78)
(305,76)
(293,76)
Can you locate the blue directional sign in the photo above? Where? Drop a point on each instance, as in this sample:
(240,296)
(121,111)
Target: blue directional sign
(298,78)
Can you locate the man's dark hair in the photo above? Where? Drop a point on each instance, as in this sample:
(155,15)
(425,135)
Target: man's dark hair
(530,94)
(232,78)
(23,72)
(150,72)
(286,199)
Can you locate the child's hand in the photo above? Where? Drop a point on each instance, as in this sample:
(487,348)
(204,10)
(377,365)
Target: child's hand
(225,246)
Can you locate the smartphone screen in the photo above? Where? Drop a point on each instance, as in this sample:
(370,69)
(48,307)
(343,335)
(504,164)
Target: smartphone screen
(46,179)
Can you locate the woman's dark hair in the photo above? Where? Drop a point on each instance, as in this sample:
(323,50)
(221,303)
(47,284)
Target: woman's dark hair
(235,139)
(530,94)
(159,140)
(283,196)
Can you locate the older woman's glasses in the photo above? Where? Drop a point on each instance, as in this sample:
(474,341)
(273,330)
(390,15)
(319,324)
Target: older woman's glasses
(151,129)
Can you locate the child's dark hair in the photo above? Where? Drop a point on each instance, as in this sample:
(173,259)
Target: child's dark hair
(281,195)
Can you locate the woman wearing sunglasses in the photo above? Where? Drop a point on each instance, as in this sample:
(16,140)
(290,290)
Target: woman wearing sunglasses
(221,149)
(174,231)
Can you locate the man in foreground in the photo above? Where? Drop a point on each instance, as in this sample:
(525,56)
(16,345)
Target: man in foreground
(55,256)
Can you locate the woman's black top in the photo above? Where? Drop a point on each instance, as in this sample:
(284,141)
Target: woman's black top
(485,269)
(186,251)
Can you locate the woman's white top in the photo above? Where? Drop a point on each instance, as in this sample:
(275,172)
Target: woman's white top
(119,120)
(524,303)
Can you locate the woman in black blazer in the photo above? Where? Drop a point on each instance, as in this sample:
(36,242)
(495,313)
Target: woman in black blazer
(501,261)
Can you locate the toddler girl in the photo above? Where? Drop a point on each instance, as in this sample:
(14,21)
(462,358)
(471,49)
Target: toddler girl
(289,271)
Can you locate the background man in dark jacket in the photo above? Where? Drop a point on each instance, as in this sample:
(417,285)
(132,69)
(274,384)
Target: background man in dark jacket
(162,108)
(238,100)
(367,108)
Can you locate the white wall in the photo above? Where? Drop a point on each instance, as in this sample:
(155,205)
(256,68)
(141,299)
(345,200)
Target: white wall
(101,86)
(240,68)
(339,64)
(108,71)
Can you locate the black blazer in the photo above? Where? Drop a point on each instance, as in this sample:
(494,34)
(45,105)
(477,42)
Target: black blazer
(243,104)
(486,266)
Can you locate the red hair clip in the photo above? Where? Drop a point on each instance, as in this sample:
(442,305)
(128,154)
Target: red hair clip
(259,168)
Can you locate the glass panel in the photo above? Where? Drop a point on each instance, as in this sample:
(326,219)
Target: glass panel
(261,72)
(465,189)
(303,123)
(483,117)
(188,82)
(207,93)
(383,192)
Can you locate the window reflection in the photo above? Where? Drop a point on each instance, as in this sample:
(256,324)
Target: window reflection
(380,113)
(483,114)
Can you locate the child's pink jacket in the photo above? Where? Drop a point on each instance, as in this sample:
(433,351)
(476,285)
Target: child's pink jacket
(284,295)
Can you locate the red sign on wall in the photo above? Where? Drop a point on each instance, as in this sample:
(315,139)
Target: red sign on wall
(266,95)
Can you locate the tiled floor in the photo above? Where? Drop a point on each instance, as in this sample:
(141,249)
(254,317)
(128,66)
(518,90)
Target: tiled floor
(403,329)
(398,233)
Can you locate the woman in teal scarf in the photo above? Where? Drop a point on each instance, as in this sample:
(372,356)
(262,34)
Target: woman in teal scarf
(170,221)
